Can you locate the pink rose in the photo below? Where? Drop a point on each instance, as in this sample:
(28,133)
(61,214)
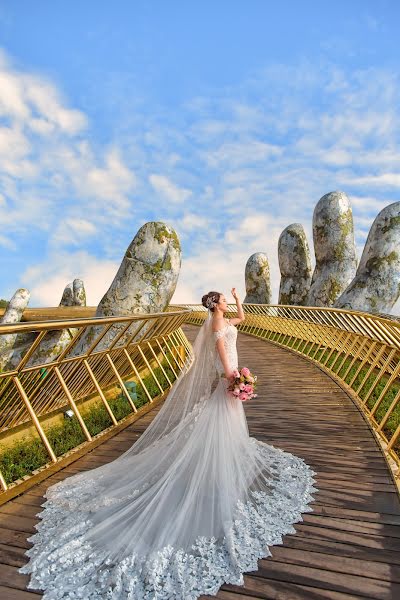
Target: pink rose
(245,371)
(248,389)
(236,391)
(242,386)
(243,396)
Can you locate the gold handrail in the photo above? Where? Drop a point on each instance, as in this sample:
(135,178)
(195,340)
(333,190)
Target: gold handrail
(34,389)
(361,351)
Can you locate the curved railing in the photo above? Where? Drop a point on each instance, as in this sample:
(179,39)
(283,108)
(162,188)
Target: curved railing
(94,374)
(359,350)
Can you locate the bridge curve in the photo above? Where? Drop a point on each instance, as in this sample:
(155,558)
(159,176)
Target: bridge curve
(347,548)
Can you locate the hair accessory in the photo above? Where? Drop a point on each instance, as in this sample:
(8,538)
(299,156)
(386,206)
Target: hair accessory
(210,302)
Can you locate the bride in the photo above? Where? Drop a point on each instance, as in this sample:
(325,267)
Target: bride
(194,503)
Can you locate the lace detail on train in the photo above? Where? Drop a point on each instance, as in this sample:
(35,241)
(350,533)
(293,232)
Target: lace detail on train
(68,568)
(229,333)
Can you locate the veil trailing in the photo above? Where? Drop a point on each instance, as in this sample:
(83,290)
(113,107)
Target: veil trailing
(122,496)
(191,387)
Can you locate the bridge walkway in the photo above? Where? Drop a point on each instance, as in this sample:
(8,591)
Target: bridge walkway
(347,548)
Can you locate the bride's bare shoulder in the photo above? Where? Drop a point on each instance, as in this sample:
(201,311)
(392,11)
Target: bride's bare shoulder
(218,323)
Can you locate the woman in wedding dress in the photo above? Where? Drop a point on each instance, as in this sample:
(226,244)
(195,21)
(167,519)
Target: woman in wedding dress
(194,503)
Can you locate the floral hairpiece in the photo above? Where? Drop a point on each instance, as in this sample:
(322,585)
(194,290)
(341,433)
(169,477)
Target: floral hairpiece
(210,302)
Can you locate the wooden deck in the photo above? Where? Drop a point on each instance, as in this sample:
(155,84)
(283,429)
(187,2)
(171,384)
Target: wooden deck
(347,548)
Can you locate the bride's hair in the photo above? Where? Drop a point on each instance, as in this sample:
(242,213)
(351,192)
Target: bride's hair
(210,300)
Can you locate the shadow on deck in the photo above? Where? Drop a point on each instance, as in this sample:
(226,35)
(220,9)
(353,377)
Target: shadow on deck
(347,548)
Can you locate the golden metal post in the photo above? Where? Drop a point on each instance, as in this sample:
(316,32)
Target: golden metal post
(172,354)
(393,439)
(121,383)
(159,364)
(138,376)
(3,484)
(100,392)
(72,403)
(31,350)
(150,369)
(379,376)
(389,411)
(167,359)
(355,357)
(363,362)
(372,367)
(34,418)
(348,336)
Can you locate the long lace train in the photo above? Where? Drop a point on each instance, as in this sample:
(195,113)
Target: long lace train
(194,503)
(68,567)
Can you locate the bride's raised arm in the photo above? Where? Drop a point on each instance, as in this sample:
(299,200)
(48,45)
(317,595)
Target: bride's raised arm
(240,318)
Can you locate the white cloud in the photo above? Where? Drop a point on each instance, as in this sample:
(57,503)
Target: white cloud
(384,180)
(49,172)
(112,182)
(368,204)
(192,221)
(74,231)
(7,243)
(239,153)
(47,280)
(164,186)
(30,100)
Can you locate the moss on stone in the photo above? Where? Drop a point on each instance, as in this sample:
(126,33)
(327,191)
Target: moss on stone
(334,290)
(167,264)
(393,222)
(345,223)
(377,262)
(262,269)
(320,231)
(162,234)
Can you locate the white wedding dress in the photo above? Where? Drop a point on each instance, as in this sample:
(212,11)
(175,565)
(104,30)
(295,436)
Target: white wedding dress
(194,503)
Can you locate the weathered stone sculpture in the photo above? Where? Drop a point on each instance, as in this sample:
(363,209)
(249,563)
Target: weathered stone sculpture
(79,293)
(145,281)
(147,278)
(74,294)
(16,306)
(376,286)
(68,296)
(295,266)
(334,247)
(12,314)
(56,340)
(257,279)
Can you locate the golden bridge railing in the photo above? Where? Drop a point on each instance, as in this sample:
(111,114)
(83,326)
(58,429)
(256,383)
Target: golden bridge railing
(37,385)
(359,350)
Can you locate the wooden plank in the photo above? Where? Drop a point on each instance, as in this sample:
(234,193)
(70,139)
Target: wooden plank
(10,537)
(8,593)
(271,589)
(366,540)
(309,544)
(337,563)
(12,555)
(321,578)
(9,577)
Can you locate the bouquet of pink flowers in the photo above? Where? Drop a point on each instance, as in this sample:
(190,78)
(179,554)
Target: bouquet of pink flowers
(243,384)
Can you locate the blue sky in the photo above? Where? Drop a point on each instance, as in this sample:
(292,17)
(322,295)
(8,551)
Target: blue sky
(228,120)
